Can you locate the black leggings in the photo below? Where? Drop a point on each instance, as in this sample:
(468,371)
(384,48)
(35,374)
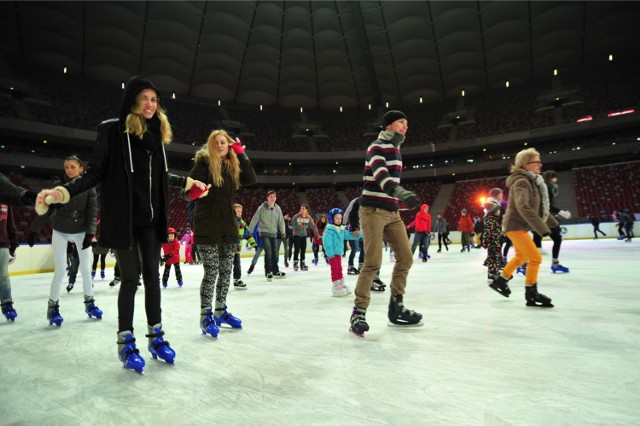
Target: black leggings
(102,258)
(144,255)
(556,236)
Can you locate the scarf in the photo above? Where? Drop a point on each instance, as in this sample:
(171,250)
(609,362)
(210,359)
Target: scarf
(553,187)
(389,135)
(544,193)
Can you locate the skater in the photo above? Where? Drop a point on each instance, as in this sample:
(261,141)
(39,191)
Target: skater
(478,229)
(333,241)
(355,244)
(116,276)
(8,245)
(186,240)
(627,220)
(223,164)
(527,210)
(443,232)
(316,244)
(243,234)
(9,240)
(551,180)
(99,254)
(595,221)
(422,237)
(75,222)
(259,249)
(129,161)
(270,221)
(492,238)
(617,217)
(301,224)
(171,256)
(465,226)
(379,218)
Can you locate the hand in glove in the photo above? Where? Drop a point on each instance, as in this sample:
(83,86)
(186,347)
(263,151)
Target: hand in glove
(46,197)
(565,214)
(198,192)
(31,239)
(86,243)
(407,197)
(237,147)
(164,258)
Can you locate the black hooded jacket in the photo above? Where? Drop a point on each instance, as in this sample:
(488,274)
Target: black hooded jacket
(125,165)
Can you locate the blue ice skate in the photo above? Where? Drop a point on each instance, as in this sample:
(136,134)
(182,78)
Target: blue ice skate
(128,353)
(159,347)
(7,310)
(91,309)
(226,318)
(559,268)
(53,313)
(208,324)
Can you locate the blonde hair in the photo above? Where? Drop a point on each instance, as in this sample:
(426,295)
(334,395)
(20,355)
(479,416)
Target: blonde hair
(230,162)
(523,157)
(137,124)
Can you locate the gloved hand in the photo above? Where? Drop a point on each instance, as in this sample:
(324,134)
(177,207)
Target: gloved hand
(564,213)
(237,147)
(164,258)
(31,239)
(407,197)
(28,198)
(86,243)
(196,192)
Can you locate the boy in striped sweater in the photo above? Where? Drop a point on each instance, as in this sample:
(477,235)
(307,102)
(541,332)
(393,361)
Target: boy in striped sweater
(379,218)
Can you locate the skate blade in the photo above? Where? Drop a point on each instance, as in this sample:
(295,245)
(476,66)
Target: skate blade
(359,336)
(416,325)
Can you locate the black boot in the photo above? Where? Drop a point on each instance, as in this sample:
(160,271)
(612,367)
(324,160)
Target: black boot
(536,299)
(398,314)
(500,285)
(359,321)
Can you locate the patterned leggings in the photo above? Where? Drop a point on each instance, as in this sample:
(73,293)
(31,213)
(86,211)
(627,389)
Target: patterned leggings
(218,264)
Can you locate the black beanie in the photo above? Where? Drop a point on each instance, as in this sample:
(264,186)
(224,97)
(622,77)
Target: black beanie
(135,85)
(392,116)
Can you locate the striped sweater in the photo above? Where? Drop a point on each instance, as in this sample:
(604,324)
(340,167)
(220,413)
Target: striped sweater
(382,169)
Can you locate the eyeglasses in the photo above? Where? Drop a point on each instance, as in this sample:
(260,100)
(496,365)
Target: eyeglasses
(535,162)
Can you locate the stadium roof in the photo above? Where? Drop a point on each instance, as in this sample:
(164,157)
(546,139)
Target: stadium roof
(320,53)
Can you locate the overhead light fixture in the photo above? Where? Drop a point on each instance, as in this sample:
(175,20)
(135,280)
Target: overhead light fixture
(555,71)
(506,83)
(610,57)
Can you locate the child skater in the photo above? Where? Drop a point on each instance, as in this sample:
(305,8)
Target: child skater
(333,243)
(171,251)
(243,234)
(491,239)
(74,221)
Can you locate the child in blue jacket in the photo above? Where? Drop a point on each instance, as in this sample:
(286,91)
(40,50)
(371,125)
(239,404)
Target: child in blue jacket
(333,243)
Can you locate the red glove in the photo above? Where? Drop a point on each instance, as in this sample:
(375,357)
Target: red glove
(237,147)
(194,193)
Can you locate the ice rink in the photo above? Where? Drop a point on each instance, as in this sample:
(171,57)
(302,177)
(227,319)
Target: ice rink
(479,358)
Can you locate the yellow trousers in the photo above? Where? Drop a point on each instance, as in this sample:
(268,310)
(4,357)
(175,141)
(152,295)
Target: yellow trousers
(526,251)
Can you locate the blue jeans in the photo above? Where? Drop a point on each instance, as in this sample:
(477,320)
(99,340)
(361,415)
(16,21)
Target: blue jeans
(270,245)
(355,246)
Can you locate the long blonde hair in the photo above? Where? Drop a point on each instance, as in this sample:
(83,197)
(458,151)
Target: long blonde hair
(137,124)
(231,163)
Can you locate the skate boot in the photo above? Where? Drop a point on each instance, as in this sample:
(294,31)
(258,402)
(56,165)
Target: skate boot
(359,321)
(221,316)
(500,285)
(164,284)
(295,265)
(269,277)
(101,274)
(207,324)
(7,310)
(315,261)
(522,270)
(352,271)
(70,286)
(536,299)
(180,284)
(279,275)
(398,314)
(159,347)
(250,270)
(490,278)
(90,307)
(115,282)
(377,285)
(53,313)
(93,274)
(239,285)
(557,267)
(303,266)
(128,353)
(339,289)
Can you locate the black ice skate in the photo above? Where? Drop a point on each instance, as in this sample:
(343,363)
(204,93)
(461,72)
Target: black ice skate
(359,321)
(377,285)
(303,266)
(536,299)
(500,285)
(400,315)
